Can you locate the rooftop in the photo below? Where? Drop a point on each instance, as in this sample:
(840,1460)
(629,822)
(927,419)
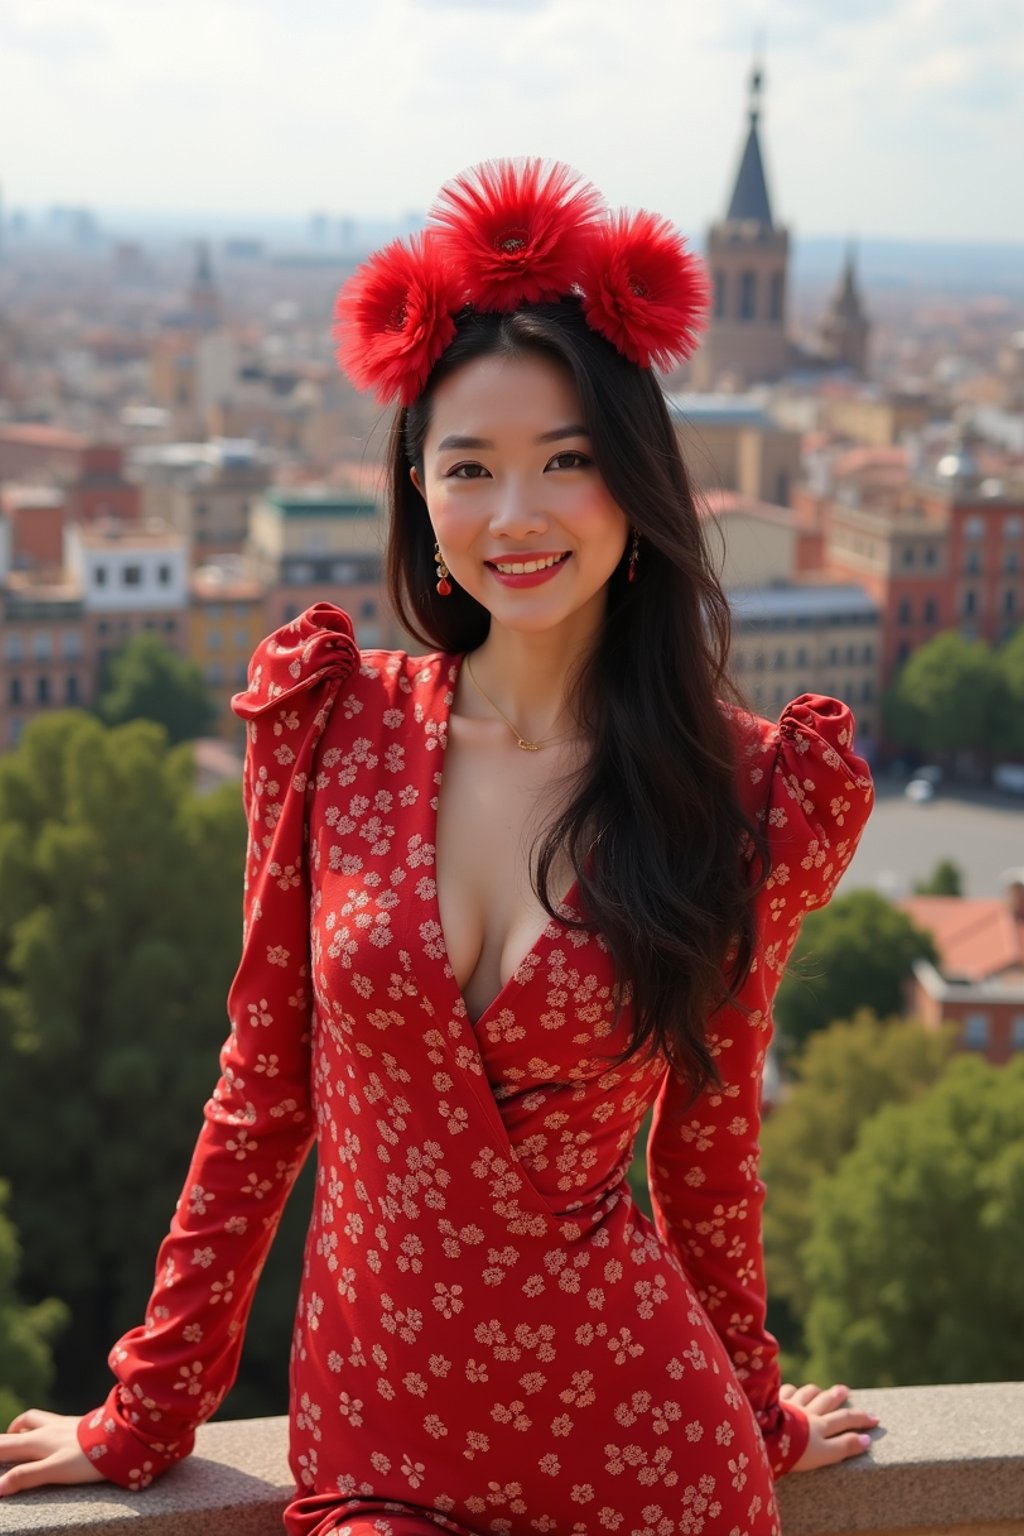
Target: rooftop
(320,502)
(820,600)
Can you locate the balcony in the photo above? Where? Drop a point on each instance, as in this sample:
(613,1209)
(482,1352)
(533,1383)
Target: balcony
(947,1459)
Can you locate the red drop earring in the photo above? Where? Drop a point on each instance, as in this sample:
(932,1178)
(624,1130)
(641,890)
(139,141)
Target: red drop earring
(444,586)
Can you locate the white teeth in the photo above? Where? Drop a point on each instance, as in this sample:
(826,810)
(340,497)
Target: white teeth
(526,567)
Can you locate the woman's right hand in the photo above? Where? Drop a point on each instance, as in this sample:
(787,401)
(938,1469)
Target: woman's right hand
(44,1448)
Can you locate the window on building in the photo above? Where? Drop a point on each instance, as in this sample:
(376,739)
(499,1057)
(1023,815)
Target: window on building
(976,1031)
(907,554)
(170,626)
(902,652)
(71,644)
(241,674)
(299,572)
(970,603)
(1012,527)
(851,655)
(780,659)
(163,575)
(972,562)
(779,696)
(748,295)
(13,646)
(215,674)
(102,627)
(344,572)
(14,736)
(719,294)
(149,623)
(867,693)
(71,693)
(99,576)
(243,639)
(42,690)
(759,661)
(931,554)
(931,611)
(801,656)
(1010,600)
(42,645)
(778,295)
(974,528)
(782,489)
(904,614)
(367,609)
(213,639)
(1011,562)
(14,695)
(833,655)
(1017,1032)
(869,652)
(131,576)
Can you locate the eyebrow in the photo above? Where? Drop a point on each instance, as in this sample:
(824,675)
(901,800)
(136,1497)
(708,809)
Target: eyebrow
(454,440)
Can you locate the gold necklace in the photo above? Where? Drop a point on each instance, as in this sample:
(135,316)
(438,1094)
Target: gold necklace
(521,741)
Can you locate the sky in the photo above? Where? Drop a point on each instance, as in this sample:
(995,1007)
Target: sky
(900,119)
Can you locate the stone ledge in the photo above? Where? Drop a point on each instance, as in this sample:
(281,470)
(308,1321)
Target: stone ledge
(946,1460)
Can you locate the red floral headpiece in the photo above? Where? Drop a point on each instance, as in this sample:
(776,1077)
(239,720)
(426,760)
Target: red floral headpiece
(508,233)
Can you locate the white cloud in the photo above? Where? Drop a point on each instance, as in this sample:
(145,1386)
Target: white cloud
(898,117)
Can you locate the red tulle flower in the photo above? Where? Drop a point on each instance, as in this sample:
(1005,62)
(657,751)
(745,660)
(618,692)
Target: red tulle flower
(517,229)
(393,317)
(644,290)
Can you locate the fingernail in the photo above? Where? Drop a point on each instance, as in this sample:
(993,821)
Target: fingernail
(874,1418)
(865,1440)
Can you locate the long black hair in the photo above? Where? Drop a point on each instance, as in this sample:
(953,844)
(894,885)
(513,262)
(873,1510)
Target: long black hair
(654,827)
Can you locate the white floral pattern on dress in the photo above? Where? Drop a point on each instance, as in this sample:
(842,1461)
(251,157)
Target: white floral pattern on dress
(490,1336)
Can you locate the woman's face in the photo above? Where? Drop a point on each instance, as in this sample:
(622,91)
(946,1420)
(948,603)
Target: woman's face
(510,481)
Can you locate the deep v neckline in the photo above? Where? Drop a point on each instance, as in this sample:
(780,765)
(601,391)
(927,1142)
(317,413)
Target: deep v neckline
(448,678)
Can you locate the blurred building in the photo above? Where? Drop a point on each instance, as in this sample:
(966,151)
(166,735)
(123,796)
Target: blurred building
(748,255)
(730,442)
(44,652)
(799,637)
(205,491)
(321,545)
(227,618)
(132,580)
(978,983)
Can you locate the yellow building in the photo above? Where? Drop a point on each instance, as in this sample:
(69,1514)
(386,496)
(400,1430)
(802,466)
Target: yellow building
(729,442)
(227,618)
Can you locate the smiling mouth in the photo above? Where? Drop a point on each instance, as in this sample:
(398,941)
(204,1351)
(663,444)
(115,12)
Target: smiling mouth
(526,567)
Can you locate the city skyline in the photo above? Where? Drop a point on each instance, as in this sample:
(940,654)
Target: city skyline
(892,122)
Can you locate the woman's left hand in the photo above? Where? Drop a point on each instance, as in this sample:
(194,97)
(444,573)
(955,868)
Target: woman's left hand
(836,1432)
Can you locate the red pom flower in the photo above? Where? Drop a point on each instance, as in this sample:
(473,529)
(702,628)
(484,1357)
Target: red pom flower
(393,317)
(517,230)
(644,290)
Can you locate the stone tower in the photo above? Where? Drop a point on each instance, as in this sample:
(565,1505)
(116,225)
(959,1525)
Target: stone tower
(748,257)
(845,328)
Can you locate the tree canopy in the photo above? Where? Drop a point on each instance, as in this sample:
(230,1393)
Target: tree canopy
(914,1255)
(843,1075)
(26,1333)
(120,928)
(855,953)
(145,680)
(946,879)
(954,695)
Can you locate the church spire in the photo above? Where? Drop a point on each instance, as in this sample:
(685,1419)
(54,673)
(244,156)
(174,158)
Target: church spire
(750,202)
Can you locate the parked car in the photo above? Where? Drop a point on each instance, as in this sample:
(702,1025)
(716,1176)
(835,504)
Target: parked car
(1009,776)
(920,791)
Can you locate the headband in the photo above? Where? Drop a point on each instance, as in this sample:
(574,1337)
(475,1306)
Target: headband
(507,233)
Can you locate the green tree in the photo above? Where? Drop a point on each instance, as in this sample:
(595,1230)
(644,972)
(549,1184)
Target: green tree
(26,1333)
(914,1254)
(949,697)
(120,926)
(1010,660)
(946,879)
(855,953)
(842,1077)
(145,680)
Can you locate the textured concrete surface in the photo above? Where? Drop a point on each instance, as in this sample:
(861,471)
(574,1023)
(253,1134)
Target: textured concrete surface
(945,1461)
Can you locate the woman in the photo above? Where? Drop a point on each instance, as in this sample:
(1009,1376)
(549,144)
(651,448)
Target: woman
(500,899)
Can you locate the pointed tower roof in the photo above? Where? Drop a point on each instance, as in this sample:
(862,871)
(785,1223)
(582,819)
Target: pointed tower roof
(750,194)
(846,300)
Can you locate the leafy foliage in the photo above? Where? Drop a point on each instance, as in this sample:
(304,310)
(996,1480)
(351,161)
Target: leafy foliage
(843,1076)
(145,680)
(26,1365)
(946,879)
(855,953)
(955,694)
(914,1255)
(120,926)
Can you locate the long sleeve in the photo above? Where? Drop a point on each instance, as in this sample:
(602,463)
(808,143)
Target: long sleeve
(174,1371)
(804,781)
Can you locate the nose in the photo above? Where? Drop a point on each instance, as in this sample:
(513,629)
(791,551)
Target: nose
(516,510)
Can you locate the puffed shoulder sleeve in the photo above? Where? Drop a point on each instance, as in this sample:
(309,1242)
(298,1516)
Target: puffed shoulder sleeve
(818,795)
(173,1371)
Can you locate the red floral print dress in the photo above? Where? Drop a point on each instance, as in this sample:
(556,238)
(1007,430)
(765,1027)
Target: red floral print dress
(490,1337)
